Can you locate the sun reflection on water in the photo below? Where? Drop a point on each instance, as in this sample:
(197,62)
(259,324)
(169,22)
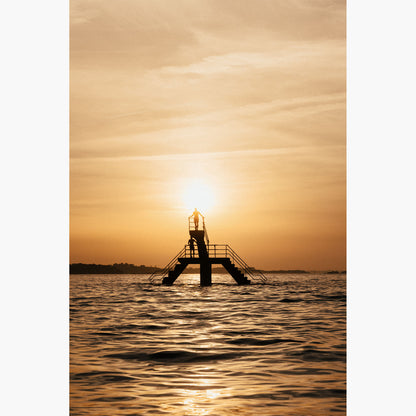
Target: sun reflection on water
(198,401)
(193,408)
(208,352)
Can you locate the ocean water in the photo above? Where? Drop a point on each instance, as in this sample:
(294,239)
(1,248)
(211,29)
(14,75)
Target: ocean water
(143,349)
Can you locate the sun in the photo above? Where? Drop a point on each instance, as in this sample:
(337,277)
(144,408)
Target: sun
(198,194)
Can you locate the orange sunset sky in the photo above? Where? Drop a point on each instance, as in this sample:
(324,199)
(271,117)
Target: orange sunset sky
(234,107)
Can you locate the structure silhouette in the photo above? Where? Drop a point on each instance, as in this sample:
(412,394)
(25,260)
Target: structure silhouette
(208,254)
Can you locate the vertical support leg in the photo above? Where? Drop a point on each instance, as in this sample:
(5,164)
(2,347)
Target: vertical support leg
(205,272)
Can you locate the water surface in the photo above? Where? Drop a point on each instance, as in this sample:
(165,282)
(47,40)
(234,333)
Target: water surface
(141,349)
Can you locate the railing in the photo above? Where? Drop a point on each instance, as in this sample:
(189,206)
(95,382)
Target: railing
(205,232)
(225,251)
(192,225)
(214,251)
(159,275)
(254,274)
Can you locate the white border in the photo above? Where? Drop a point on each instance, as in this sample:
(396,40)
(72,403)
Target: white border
(34,209)
(381,207)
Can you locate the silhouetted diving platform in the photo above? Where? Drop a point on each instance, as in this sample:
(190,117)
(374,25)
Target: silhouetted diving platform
(206,254)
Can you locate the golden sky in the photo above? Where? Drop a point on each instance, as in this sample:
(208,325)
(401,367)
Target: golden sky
(242,99)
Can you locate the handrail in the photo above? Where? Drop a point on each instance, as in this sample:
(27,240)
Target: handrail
(254,274)
(191,222)
(161,274)
(214,250)
(224,250)
(203,217)
(205,231)
(192,227)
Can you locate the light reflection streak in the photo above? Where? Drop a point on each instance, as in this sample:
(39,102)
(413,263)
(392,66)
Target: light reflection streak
(198,401)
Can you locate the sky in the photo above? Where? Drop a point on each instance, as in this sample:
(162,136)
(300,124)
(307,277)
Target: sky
(234,107)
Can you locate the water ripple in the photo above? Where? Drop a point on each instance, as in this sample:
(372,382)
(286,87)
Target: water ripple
(275,349)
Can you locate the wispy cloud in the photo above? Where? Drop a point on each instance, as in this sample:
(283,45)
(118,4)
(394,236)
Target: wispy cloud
(282,57)
(190,156)
(177,157)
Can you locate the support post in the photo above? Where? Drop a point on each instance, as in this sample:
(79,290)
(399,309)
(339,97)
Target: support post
(205,272)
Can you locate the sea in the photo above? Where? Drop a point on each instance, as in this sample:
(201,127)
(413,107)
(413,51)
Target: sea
(277,348)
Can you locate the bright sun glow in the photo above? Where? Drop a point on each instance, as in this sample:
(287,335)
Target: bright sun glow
(198,195)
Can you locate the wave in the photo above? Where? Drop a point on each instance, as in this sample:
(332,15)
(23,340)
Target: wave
(175,356)
(101,377)
(255,341)
(312,354)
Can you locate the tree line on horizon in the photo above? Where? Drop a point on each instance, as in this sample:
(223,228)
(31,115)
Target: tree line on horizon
(116,268)
(126,268)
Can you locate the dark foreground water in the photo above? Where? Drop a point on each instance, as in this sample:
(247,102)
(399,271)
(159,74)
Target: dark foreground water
(274,349)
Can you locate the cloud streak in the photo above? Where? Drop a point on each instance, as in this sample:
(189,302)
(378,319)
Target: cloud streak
(178,157)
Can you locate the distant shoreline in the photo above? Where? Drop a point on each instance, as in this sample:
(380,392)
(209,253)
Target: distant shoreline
(125,268)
